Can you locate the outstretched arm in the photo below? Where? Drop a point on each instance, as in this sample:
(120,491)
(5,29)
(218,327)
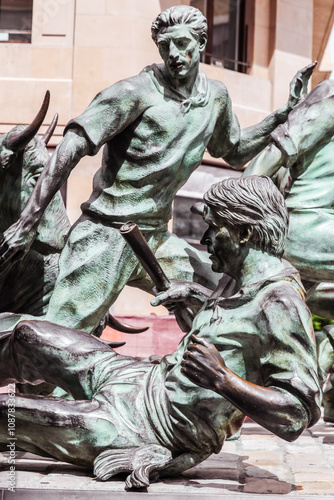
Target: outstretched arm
(275,409)
(109,113)
(254,139)
(268,162)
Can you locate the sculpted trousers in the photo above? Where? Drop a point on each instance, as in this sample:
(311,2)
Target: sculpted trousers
(97,263)
(73,431)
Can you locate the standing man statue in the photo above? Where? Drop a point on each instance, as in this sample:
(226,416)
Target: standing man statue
(154,128)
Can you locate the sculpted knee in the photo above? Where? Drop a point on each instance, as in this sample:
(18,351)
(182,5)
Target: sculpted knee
(24,331)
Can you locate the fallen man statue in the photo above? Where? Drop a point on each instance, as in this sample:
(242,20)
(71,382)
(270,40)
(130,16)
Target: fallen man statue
(251,351)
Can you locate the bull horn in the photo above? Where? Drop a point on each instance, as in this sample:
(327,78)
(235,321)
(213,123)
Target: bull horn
(51,128)
(19,140)
(122,327)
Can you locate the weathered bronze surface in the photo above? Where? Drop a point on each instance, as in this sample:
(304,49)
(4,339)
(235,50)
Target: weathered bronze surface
(27,286)
(251,351)
(132,234)
(304,146)
(154,128)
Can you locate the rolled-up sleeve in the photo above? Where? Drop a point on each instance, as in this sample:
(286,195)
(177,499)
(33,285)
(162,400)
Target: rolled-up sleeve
(310,123)
(289,361)
(110,112)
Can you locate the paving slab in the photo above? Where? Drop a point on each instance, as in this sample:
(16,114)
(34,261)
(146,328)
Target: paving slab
(251,468)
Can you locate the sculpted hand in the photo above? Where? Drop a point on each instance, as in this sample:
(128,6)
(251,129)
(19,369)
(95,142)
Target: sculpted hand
(203,364)
(298,85)
(178,292)
(190,294)
(14,245)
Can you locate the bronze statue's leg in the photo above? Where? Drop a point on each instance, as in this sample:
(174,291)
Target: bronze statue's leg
(94,267)
(326,362)
(39,351)
(320,300)
(144,463)
(72,431)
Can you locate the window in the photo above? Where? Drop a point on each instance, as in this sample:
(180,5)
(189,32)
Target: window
(15,20)
(227,33)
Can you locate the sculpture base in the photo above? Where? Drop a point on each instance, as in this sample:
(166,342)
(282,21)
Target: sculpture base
(258,463)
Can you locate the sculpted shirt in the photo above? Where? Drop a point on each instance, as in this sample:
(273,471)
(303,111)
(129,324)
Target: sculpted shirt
(154,139)
(307,143)
(265,335)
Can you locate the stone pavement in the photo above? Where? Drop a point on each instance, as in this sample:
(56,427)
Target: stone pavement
(252,467)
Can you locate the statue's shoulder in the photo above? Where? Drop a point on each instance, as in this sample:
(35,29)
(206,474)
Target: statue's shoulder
(283,294)
(322,93)
(326,86)
(220,94)
(218,88)
(135,86)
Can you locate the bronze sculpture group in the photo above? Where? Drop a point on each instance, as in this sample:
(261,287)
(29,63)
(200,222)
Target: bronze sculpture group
(154,128)
(250,350)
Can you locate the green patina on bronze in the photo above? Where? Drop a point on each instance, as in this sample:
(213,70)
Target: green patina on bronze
(27,286)
(251,351)
(154,128)
(304,146)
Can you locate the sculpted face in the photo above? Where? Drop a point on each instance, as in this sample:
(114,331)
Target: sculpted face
(223,243)
(180,51)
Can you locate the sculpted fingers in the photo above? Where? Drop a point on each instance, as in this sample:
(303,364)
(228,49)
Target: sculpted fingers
(298,85)
(200,340)
(193,360)
(160,299)
(190,369)
(7,255)
(206,356)
(11,248)
(194,371)
(306,72)
(178,292)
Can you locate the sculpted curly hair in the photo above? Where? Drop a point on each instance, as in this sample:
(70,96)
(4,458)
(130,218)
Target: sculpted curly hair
(255,202)
(181,14)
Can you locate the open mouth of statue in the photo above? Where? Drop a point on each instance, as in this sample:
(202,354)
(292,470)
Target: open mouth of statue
(178,65)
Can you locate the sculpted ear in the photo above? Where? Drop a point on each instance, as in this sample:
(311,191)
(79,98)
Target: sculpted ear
(246,235)
(202,43)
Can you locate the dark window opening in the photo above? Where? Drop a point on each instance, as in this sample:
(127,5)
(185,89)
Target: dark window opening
(227,33)
(15,20)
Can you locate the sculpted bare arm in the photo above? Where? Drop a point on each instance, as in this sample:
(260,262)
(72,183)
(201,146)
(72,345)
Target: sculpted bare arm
(254,139)
(125,105)
(273,408)
(288,399)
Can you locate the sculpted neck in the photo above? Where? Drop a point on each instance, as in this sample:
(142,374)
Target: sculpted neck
(185,86)
(257,266)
